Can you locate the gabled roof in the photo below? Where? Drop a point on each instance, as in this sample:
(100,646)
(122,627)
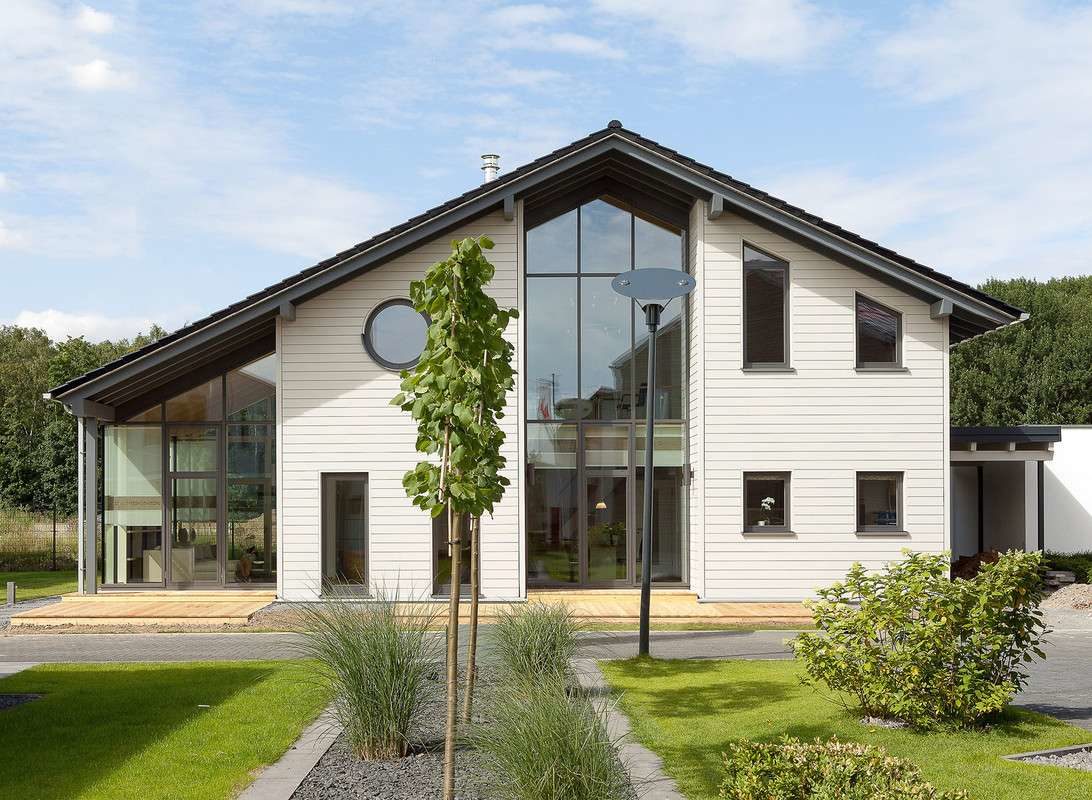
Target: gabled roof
(251,320)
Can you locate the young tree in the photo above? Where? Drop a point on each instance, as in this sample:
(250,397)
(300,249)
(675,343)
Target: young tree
(456,393)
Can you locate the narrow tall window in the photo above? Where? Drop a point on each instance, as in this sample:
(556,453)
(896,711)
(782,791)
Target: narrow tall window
(766,502)
(345,530)
(765,309)
(879,331)
(879,502)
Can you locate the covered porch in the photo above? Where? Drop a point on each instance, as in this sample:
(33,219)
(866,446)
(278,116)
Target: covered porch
(997,487)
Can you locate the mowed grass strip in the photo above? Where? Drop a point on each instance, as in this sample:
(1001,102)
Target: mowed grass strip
(687,711)
(141,731)
(31,585)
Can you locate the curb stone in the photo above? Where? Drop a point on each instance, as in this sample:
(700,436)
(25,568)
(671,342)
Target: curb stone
(278,781)
(645,767)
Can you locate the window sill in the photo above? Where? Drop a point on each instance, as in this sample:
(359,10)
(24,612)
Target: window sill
(882,369)
(787,534)
(897,534)
(759,368)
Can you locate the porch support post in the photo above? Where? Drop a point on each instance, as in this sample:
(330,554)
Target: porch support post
(87,500)
(1040,514)
(981,510)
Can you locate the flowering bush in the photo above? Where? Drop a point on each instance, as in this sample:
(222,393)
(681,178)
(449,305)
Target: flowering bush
(909,644)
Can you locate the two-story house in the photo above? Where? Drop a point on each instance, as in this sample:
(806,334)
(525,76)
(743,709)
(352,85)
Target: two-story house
(802,402)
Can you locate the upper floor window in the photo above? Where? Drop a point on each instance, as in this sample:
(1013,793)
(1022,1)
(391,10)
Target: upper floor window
(879,334)
(586,356)
(765,309)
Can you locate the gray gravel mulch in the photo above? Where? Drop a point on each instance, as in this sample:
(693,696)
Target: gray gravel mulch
(340,775)
(12,700)
(1081,759)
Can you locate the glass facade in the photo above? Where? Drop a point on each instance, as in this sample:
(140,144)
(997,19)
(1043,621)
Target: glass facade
(199,467)
(586,393)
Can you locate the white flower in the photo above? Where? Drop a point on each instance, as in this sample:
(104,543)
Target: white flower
(768,503)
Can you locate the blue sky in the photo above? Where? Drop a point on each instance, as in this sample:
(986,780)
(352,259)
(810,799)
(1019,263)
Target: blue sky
(161,160)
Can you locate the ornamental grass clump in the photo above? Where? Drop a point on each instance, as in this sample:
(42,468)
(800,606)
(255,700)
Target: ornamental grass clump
(379,663)
(831,770)
(536,642)
(907,643)
(545,743)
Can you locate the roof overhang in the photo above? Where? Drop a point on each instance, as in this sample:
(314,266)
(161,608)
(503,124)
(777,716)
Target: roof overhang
(613,153)
(1015,443)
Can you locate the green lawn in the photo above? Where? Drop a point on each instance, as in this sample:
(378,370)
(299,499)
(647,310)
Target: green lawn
(140,731)
(688,710)
(38,584)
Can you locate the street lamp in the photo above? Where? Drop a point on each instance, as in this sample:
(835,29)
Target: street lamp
(653,289)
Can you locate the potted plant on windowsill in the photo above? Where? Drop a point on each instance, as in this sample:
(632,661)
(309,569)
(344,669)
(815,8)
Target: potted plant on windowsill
(767,506)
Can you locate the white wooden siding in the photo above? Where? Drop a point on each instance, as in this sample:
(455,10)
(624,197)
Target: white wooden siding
(336,417)
(823,422)
(696,398)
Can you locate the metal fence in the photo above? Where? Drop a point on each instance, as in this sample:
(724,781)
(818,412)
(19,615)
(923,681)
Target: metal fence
(37,541)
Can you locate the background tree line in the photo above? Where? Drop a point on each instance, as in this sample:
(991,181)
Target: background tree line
(38,438)
(1037,372)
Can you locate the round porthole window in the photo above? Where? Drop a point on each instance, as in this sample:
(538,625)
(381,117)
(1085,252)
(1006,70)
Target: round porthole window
(395,334)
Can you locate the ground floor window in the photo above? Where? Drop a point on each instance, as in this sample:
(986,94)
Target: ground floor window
(585,490)
(345,530)
(765,502)
(879,501)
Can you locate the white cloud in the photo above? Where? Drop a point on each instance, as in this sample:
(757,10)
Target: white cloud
(523,15)
(93,21)
(576,44)
(1012,194)
(98,74)
(95,327)
(10,239)
(779,32)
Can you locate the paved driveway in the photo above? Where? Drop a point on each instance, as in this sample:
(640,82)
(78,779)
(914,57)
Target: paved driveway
(1060,686)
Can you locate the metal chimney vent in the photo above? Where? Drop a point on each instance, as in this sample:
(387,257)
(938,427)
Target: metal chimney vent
(490,167)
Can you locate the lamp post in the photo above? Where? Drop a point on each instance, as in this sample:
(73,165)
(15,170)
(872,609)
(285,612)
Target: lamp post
(653,289)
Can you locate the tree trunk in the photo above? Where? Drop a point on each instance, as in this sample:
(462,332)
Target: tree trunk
(455,524)
(472,634)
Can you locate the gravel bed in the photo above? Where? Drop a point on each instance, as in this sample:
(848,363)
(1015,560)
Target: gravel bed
(12,700)
(1076,596)
(1081,759)
(340,775)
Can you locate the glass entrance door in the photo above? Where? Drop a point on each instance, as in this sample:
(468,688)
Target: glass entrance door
(607,541)
(194,507)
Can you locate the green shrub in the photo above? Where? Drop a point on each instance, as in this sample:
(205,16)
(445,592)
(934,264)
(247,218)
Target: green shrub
(536,642)
(544,744)
(380,665)
(1080,564)
(833,770)
(907,643)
